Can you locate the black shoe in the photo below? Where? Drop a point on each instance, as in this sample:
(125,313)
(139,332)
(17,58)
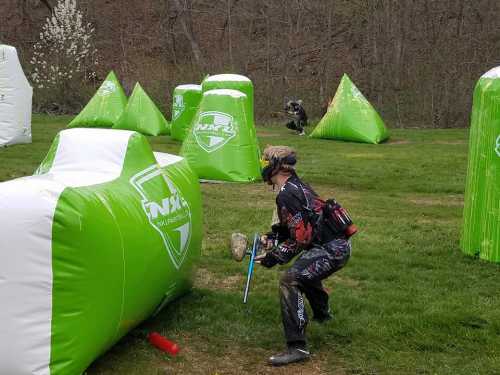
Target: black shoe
(291,355)
(323,318)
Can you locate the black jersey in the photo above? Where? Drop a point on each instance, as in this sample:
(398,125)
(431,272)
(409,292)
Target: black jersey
(296,204)
(297,110)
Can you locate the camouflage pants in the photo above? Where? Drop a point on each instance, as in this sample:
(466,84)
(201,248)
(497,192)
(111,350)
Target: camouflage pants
(297,125)
(304,279)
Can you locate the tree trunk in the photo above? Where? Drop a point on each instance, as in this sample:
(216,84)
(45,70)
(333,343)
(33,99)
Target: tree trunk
(187,32)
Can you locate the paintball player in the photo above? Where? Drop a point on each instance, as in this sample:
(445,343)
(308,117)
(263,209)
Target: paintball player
(295,110)
(322,251)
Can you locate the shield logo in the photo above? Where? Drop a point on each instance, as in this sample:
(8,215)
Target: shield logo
(178,106)
(213,130)
(107,88)
(166,209)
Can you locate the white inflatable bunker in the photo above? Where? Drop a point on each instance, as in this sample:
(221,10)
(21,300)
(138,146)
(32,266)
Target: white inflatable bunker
(15,99)
(102,236)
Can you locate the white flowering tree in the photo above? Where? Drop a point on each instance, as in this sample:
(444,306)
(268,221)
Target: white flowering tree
(65,52)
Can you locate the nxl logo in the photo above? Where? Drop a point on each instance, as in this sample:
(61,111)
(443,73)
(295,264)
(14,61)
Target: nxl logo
(107,88)
(166,209)
(213,130)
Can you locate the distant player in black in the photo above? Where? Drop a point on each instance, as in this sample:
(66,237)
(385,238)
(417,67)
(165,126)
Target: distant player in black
(322,252)
(295,109)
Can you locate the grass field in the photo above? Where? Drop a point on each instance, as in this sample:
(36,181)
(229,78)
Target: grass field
(408,302)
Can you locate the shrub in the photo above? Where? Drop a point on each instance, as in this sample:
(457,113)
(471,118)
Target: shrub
(64,59)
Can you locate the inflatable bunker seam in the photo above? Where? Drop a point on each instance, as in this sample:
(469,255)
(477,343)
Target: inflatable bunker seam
(91,245)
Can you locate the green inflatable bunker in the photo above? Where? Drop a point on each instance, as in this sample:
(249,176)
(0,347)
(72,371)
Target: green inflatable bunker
(103,236)
(142,115)
(234,82)
(221,144)
(105,107)
(240,83)
(481,225)
(350,117)
(186,99)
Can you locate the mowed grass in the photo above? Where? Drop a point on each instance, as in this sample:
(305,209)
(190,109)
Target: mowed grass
(408,302)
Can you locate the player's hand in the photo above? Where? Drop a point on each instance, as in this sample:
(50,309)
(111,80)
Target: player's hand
(258,258)
(266,243)
(266,260)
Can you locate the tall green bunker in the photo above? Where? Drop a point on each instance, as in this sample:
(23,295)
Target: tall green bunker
(186,99)
(240,83)
(235,82)
(481,226)
(221,144)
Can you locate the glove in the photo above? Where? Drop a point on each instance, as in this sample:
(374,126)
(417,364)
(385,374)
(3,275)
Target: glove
(267,241)
(269,261)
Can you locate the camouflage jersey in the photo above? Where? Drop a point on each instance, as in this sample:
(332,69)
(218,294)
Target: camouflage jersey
(296,205)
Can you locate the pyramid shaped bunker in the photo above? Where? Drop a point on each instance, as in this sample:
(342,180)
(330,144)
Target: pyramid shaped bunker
(481,221)
(105,107)
(350,117)
(102,235)
(15,99)
(221,143)
(186,99)
(142,115)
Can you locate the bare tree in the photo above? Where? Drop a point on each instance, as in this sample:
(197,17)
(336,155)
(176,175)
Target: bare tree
(47,4)
(182,17)
(416,61)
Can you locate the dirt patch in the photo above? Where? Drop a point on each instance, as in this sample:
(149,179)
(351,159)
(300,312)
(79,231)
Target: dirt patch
(208,280)
(345,280)
(434,221)
(364,156)
(397,142)
(267,134)
(463,142)
(449,200)
(196,360)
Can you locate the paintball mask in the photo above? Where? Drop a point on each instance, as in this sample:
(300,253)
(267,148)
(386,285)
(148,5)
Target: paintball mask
(266,170)
(274,159)
(293,106)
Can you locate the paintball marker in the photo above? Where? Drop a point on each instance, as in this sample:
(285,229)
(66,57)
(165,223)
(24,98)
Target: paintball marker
(287,114)
(239,248)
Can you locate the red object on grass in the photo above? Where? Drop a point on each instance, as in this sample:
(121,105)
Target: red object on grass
(163,344)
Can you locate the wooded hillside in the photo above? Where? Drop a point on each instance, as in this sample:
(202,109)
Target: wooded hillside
(416,60)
